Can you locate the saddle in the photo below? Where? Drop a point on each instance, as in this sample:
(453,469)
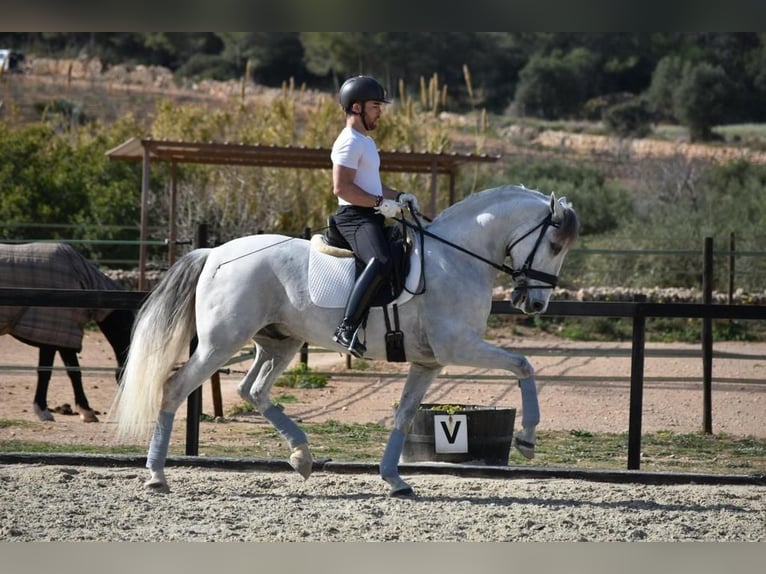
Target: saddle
(333,243)
(333,269)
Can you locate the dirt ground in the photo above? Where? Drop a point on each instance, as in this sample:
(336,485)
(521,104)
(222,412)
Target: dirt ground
(585,392)
(216,505)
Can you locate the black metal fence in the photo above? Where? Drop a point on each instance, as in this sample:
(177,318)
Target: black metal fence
(638,310)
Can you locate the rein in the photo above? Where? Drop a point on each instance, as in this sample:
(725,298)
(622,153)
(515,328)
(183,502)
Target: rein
(525,272)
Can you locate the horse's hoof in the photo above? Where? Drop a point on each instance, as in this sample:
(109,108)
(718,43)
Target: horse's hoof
(43,414)
(87,415)
(158,486)
(302,461)
(403,492)
(525,448)
(399,488)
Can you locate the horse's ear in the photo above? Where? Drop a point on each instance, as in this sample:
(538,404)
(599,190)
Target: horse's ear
(558,206)
(555,207)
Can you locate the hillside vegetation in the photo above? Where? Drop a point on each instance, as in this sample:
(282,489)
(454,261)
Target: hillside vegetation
(659,194)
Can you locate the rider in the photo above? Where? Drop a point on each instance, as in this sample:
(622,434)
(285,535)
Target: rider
(364,201)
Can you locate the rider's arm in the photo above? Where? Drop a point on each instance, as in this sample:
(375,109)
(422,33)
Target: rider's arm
(390,192)
(345,188)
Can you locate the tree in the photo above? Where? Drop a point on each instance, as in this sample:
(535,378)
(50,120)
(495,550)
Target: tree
(701,98)
(342,54)
(555,86)
(663,86)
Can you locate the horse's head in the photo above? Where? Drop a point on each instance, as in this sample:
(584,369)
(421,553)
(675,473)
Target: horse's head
(117,328)
(538,253)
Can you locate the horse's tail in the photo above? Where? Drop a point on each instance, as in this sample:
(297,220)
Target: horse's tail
(163,329)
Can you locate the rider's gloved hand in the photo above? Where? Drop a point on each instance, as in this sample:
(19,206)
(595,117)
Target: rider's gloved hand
(408,198)
(389,208)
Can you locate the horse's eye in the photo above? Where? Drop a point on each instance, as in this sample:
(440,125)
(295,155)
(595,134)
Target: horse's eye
(556,248)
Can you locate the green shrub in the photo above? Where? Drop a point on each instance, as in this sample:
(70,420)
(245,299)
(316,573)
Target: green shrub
(301,377)
(629,119)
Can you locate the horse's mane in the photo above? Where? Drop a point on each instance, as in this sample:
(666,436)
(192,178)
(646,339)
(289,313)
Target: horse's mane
(482,197)
(567,231)
(569,227)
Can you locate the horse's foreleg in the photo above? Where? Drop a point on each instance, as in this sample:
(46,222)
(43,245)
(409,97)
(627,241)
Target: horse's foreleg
(419,379)
(45,358)
(87,414)
(481,354)
(524,441)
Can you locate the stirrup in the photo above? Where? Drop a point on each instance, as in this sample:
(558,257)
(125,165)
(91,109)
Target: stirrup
(356,347)
(353,345)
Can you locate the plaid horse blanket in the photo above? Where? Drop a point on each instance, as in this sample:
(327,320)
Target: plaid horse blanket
(49,266)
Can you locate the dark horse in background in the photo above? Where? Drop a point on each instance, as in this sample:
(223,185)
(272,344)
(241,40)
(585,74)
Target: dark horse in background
(59,329)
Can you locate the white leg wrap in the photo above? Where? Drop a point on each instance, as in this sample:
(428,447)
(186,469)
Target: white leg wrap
(158,448)
(530,416)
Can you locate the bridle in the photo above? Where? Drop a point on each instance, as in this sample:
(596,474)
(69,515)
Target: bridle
(519,276)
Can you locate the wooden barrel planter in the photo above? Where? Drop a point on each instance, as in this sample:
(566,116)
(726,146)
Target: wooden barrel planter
(460,434)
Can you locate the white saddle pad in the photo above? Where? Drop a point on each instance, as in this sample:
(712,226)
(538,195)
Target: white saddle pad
(332,278)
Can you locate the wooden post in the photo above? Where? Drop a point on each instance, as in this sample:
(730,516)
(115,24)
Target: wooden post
(731,268)
(215,386)
(144,233)
(432,203)
(172,215)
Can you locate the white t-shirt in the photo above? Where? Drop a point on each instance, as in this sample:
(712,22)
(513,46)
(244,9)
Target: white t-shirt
(358,151)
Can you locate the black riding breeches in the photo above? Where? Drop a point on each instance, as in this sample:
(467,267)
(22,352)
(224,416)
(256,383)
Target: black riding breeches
(362,227)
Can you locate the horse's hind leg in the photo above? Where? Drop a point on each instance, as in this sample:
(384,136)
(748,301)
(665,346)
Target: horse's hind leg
(271,359)
(205,361)
(419,379)
(45,358)
(87,414)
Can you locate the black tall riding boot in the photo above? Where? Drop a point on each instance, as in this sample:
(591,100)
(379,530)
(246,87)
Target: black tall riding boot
(359,301)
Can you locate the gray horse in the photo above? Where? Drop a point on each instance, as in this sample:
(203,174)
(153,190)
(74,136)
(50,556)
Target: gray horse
(258,288)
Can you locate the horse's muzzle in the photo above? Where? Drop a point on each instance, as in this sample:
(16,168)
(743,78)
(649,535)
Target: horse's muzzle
(520,298)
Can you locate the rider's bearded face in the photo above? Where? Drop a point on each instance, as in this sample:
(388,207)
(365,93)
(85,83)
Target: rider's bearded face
(371,111)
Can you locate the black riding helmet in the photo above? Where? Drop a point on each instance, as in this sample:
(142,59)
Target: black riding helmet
(361,89)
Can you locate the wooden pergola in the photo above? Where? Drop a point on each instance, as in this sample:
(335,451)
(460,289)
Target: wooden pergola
(147,150)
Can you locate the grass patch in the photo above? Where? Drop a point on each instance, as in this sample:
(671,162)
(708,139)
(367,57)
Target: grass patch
(353,442)
(347,442)
(620,329)
(242,408)
(11,423)
(301,377)
(245,408)
(41,447)
(661,451)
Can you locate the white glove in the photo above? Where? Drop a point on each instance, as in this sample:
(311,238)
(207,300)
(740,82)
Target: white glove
(389,208)
(408,198)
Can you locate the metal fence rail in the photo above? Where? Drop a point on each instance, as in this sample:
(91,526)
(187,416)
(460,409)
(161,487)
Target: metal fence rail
(638,310)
